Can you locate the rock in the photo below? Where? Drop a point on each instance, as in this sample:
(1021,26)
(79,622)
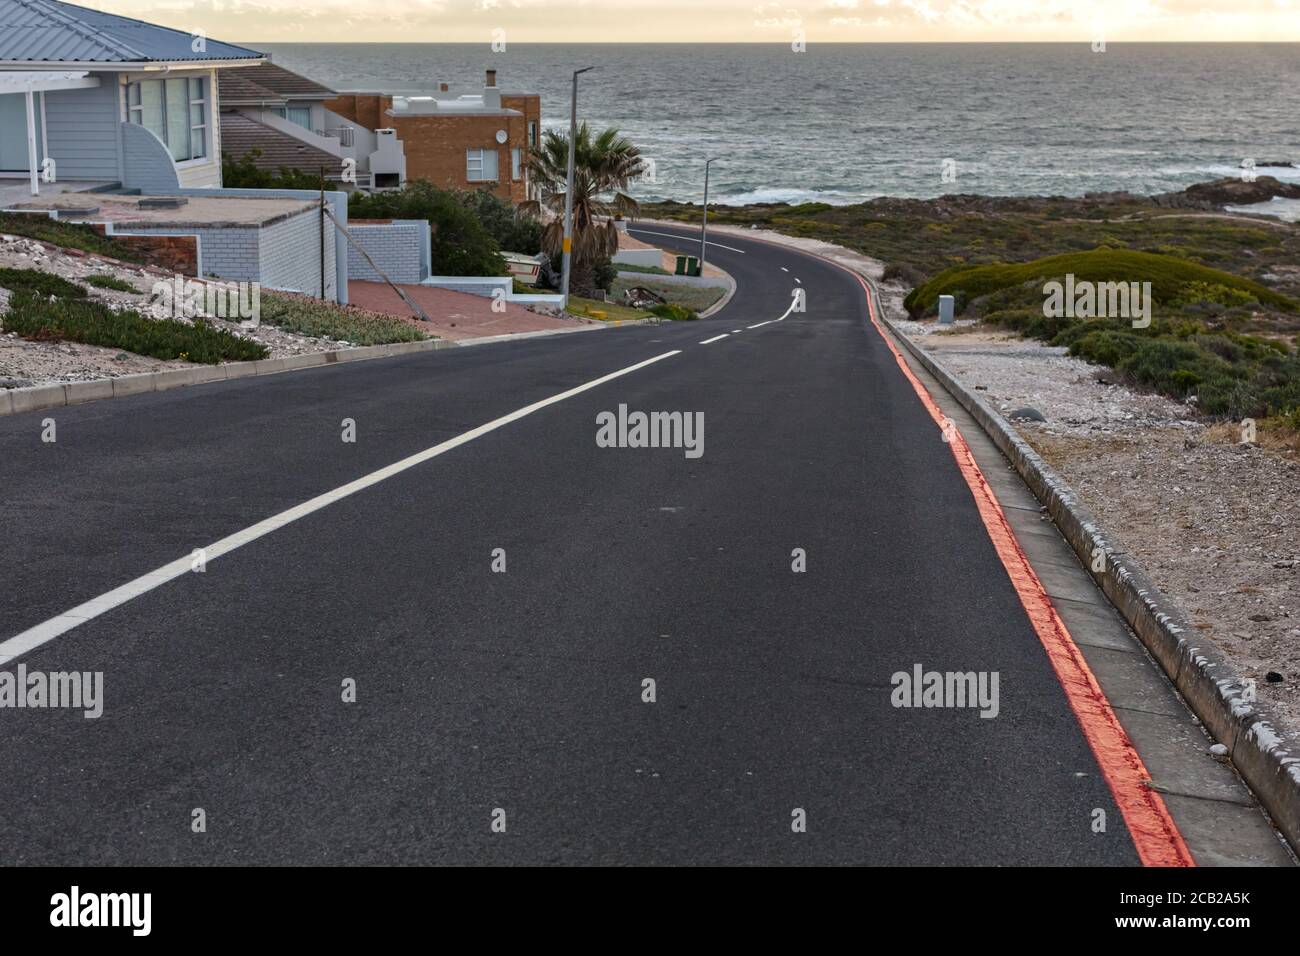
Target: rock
(1237,192)
(1273,677)
(1219,750)
(1260,618)
(15,383)
(1027,414)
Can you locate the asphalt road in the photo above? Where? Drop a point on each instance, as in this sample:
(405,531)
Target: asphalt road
(523,690)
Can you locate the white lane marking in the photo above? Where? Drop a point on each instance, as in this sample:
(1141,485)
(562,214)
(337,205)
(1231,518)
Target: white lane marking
(48,630)
(736,331)
(784,269)
(669,235)
(798,280)
(715,338)
(758,325)
(793,303)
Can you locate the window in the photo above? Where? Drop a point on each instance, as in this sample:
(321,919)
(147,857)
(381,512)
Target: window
(481,165)
(532,133)
(296,114)
(515,162)
(175,110)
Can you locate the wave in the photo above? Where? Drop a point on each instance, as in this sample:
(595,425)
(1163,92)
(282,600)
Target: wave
(793,196)
(1288,210)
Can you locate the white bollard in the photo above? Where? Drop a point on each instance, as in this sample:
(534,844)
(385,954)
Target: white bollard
(946,304)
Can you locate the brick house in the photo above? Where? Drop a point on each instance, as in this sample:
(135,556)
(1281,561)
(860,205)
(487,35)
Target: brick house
(466,141)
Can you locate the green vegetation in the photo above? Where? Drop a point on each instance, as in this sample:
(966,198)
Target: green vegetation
(34,316)
(110,282)
(579,305)
(461,245)
(340,323)
(643,270)
(605,164)
(243,173)
(1171,279)
(1195,348)
(1228,373)
(512,232)
(674,313)
(69,235)
(44,283)
(916,239)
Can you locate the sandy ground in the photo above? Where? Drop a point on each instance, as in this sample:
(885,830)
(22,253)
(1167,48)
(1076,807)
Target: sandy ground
(1215,522)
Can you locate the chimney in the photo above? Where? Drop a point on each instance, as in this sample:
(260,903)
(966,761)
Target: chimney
(443,87)
(491,78)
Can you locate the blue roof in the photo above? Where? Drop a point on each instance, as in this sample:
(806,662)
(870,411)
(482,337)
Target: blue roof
(49,31)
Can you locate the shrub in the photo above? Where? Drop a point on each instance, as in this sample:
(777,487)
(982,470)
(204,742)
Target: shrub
(1212,292)
(34,316)
(461,246)
(1169,277)
(674,313)
(243,173)
(327,320)
(604,273)
(18,280)
(522,234)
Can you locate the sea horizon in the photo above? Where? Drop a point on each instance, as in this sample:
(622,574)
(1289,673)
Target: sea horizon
(844,123)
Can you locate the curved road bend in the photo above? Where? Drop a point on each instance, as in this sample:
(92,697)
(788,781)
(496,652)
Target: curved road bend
(523,690)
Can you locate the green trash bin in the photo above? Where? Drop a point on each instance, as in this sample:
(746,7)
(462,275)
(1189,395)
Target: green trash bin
(687,266)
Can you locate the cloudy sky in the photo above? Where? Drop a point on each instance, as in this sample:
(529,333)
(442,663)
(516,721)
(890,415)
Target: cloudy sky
(733,21)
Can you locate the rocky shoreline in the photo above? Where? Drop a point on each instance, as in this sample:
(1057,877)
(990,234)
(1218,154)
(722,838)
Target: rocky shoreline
(1211,196)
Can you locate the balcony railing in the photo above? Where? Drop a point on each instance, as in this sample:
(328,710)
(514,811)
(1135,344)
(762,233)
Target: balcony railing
(342,133)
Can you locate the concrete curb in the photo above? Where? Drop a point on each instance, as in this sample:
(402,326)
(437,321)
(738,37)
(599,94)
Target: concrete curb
(1207,681)
(726,297)
(38,397)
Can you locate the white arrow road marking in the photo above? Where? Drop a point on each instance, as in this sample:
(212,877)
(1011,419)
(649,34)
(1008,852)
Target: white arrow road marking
(48,630)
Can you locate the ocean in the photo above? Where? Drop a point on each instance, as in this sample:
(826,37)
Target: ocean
(841,123)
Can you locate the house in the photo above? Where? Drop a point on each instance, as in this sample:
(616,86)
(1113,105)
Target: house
(283,117)
(97,98)
(460,141)
(118,123)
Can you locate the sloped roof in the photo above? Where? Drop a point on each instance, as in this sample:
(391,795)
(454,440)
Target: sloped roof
(241,135)
(50,31)
(285,82)
(236,89)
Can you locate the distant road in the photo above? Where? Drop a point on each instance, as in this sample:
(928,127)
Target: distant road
(524,690)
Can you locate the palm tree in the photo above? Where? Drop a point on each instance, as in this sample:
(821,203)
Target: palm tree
(603,166)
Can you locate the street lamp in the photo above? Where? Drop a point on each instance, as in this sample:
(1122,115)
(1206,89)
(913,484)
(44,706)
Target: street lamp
(704,225)
(568,189)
